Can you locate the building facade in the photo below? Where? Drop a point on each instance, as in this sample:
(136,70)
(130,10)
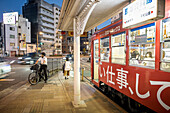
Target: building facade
(57,40)
(1,39)
(14,37)
(10,40)
(68,42)
(44,18)
(24,34)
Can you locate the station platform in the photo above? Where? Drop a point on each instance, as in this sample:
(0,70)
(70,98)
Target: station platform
(56,96)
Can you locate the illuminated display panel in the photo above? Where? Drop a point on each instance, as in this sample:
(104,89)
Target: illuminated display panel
(10,18)
(139,11)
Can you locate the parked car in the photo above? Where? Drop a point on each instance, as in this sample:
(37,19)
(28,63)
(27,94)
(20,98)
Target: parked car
(29,58)
(4,67)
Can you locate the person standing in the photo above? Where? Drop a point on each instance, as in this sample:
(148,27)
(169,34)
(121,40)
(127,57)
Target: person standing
(43,61)
(67,68)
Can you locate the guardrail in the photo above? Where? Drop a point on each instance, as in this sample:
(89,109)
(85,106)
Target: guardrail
(55,65)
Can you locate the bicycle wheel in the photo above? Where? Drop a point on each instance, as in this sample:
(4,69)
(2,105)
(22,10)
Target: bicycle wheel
(33,78)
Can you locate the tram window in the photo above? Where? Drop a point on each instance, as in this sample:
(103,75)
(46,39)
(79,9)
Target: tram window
(104,49)
(142,46)
(165,45)
(118,48)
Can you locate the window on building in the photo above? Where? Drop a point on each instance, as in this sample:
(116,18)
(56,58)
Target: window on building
(12,36)
(12,28)
(31,47)
(56,13)
(56,22)
(142,46)
(19,34)
(19,26)
(28,28)
(104,49)
(118,48)
(56,18)
(12,44)
(57,9)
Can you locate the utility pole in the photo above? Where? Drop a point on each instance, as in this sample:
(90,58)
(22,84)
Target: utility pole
(37,42)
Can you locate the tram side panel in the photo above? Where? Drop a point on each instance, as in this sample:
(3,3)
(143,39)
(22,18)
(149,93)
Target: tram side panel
(149,87)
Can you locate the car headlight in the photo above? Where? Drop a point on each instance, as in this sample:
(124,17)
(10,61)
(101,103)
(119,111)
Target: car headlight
(19,58)
(28,58)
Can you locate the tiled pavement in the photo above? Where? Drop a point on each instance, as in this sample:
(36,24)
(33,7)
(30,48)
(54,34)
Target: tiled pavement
(56,96)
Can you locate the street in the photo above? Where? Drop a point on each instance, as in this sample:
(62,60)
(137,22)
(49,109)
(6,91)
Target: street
(19,74)
(15,79)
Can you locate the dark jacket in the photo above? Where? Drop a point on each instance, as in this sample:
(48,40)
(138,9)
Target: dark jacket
(63,67)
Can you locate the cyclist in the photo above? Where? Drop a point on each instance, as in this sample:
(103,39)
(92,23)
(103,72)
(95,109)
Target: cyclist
(43,61)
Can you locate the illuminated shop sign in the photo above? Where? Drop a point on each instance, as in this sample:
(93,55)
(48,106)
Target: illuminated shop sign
(141,11)
(10,18)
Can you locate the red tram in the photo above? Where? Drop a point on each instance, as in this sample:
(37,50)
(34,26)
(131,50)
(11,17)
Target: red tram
(134,63)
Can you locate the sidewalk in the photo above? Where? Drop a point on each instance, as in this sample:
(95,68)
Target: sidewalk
(56,96)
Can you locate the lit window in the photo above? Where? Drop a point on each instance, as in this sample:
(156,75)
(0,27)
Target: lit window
(104,49)
(165,45)
(12,36)
(118,48)
(142,46)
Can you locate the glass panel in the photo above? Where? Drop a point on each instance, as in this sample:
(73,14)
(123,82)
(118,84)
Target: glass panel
(118,48)
(142,46)
(165,45)
(143,55)
(96,60)
(104,49)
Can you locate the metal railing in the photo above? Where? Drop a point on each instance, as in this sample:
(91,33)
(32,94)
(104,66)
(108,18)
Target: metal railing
(55,65)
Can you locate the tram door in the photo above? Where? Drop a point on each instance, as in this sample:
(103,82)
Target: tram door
(96,60)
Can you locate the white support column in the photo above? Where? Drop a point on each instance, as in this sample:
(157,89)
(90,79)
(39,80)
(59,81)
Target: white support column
(79,26)
(76,62)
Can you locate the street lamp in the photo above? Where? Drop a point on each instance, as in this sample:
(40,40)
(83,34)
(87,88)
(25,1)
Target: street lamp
(41,33)
(61,37)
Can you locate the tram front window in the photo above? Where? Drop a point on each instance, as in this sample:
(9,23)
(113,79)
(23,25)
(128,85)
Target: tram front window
(104,49)
(142,46)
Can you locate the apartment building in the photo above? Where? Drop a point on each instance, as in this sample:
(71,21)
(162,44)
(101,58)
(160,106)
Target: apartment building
(24,34)
(57,40)
(44,18)
(10,39)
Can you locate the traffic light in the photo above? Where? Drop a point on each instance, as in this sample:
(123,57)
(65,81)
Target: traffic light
(41,43)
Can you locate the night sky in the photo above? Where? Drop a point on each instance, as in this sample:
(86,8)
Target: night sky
(16,6)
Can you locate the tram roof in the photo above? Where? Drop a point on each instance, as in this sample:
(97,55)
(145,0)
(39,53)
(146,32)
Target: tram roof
(103,11)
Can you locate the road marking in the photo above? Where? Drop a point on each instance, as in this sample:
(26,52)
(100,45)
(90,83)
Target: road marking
(12,61)
(3,76)
(7,80)
(11,73)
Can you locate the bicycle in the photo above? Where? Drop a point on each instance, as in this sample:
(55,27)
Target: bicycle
(33,77)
